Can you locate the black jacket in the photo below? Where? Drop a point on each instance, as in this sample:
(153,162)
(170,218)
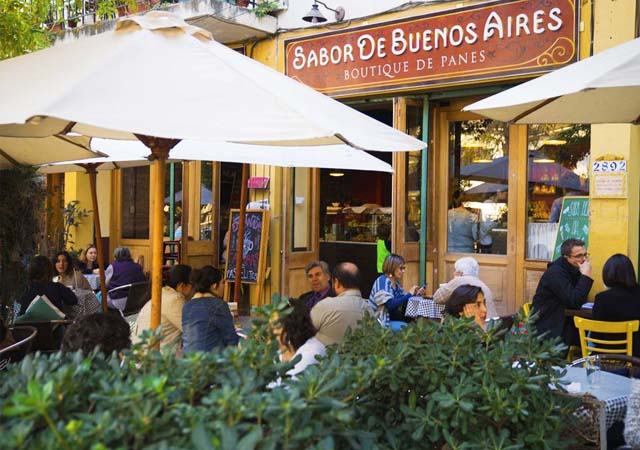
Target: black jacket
(617,305)
(562,286)
(57,293)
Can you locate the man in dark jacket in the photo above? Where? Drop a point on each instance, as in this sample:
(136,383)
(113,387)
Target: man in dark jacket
(319,278)
(565,284)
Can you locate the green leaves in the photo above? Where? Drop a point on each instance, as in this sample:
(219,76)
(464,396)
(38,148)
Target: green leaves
(429,387)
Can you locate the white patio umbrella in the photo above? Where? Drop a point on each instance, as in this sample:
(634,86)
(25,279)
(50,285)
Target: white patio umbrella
(604,88)
(160,80)
(133,153)
(35,151)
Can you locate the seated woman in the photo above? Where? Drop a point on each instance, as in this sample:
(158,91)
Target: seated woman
(88,263)
(67,275)
(174,296)
(41,283)
(387,297)
(621,301)
(297,337)
(206,319)
(122,271)
(468,301)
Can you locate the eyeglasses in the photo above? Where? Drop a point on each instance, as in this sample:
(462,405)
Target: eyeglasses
(403,267)
(580,256)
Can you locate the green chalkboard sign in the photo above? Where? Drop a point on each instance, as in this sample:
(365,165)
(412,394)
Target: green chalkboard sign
(573,223)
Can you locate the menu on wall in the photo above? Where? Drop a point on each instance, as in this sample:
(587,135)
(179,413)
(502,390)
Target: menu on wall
(253,245)
(573,223)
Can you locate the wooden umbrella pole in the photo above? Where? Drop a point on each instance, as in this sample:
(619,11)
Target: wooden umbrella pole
(91,171)
(243,307)
(159,153)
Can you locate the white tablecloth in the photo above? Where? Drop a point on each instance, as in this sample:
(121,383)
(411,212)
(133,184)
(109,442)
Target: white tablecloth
(94,281)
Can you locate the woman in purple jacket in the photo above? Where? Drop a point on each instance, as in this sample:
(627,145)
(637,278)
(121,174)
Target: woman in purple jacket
(121,272)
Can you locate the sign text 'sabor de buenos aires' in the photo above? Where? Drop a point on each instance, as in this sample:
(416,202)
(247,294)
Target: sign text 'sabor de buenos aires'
(501,39)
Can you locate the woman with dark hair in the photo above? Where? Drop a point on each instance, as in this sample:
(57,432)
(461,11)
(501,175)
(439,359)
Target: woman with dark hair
(206,319)
(387,297)
(108,332)
(174,296)
(68,275)
(122,271)
(621,301)
(468,301)
(297,337)
(41,283)
(88,263)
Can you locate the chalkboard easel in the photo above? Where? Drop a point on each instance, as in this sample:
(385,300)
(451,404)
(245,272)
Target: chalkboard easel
(254,249)
(573,222)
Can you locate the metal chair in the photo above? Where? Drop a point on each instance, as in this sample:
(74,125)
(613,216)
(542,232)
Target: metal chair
(137,295)
(628,366)
(590,344)
(23,336)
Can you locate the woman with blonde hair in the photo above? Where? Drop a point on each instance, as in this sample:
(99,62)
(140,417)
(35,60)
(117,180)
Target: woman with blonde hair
(88,263)
(387,296)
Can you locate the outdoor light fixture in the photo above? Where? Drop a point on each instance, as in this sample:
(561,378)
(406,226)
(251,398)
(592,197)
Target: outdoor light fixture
(315,16)
(336,173)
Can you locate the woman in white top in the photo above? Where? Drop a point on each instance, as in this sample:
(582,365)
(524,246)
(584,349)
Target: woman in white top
(297,337)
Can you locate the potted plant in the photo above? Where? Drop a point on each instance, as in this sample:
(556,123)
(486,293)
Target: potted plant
(243,3)
(265,7)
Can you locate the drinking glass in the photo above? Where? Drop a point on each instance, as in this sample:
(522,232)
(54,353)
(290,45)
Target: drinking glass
(593,372)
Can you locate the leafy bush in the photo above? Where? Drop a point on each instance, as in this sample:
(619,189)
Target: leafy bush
(428,387)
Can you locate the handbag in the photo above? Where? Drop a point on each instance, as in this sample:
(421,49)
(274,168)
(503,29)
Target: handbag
(87,302)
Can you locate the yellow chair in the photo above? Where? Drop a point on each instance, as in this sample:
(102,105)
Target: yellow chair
(526,309)
(585,325)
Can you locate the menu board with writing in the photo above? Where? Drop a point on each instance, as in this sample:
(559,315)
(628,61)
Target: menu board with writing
(573,223)
(254,246)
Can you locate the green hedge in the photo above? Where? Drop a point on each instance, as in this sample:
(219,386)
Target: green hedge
(430,387)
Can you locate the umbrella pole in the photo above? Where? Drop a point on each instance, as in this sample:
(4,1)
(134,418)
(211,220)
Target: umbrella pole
(159,153)
(243,309)
(91,171)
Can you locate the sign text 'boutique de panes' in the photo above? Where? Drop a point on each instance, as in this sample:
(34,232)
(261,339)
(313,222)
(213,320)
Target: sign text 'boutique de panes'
(463,45)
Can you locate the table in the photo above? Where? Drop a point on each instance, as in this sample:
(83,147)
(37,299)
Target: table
(570,332)
(423,307)
(612,392)
(94,280)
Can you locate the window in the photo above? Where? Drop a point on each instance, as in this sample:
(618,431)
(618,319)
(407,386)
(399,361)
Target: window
(135,203)
(301,201)
(558,166)
(413,178)
(206,200)
(173,209)
(478,181)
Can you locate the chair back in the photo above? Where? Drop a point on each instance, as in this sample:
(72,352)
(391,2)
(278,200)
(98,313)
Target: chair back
(591,344)
(526,309)
(23,336)
(139,294)
(49,336)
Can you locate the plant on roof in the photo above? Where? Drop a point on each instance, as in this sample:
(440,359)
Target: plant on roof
(265,7)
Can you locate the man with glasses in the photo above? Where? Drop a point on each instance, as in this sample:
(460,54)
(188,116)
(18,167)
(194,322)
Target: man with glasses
(565,284)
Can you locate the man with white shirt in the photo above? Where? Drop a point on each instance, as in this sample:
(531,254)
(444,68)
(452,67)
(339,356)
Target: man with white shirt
(334,315)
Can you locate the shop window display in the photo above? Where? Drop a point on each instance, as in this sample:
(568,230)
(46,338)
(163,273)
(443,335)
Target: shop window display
(558,166)
(478,187)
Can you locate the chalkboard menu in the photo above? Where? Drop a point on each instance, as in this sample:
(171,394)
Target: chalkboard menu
(573,223)
(253,246)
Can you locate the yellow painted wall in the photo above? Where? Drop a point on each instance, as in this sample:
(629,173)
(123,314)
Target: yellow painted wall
(77,187)
(614,222)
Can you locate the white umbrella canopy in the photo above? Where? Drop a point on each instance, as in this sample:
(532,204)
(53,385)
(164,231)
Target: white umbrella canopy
(604,88)
(155,75)
(134,153)
(35,151)
(160,80)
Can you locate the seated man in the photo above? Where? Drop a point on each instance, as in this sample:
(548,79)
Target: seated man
(319,277)
(332,316)
(466,273)
(565,284)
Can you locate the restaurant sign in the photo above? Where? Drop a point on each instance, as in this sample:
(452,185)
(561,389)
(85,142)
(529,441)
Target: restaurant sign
(501,39)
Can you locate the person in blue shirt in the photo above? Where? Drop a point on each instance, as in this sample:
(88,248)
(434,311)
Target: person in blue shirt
(388,298)
(207,323)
